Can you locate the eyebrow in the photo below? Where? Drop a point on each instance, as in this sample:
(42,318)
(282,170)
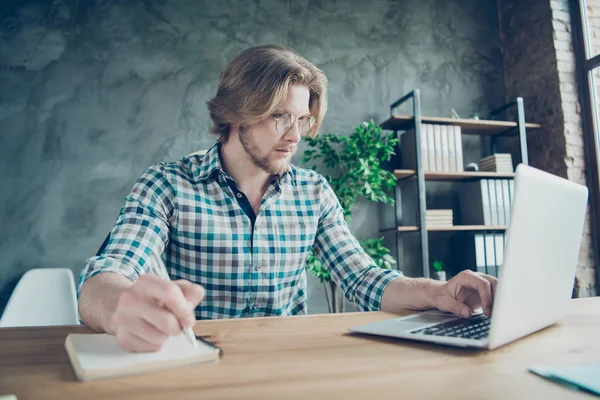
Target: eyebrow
(281,111)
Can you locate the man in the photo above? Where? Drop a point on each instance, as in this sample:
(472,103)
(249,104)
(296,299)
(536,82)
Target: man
(236,225)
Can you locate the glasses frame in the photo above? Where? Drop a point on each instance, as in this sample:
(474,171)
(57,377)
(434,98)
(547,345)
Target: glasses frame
(277,117)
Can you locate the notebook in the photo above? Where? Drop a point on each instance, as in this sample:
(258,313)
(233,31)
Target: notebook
(582,377)
(99,356)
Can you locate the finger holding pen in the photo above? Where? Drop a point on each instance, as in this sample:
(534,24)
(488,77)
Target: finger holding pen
(153,309)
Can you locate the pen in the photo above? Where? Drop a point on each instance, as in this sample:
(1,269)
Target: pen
(162,272)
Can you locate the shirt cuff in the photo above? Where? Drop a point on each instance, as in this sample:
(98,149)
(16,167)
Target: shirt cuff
(373,290)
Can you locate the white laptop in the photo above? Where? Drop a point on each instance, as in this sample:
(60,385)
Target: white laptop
(535,283)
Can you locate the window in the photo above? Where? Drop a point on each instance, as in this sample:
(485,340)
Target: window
(586,29)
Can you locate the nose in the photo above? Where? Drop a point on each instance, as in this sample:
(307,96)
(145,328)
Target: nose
(293,134)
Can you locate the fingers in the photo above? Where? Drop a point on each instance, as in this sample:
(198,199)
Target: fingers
(160,319)
(456,307)
(493,281)
(167,294)
(194,293)
(154,309)
(135,343)
(480,284)
(141,329)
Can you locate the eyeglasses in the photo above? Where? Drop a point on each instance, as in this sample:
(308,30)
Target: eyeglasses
(284,122)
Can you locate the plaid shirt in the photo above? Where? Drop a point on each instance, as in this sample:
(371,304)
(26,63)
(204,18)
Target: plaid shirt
(187,211)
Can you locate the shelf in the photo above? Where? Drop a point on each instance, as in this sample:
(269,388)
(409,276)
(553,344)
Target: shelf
(467,126)
(453,228)
(452,176)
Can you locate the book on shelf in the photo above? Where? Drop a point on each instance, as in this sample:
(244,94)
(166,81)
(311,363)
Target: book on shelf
(500,162)
(439,218)
(441,148)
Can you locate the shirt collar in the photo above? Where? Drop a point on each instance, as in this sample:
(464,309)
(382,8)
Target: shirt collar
(204,166)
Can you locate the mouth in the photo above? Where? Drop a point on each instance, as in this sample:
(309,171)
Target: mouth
(285,151)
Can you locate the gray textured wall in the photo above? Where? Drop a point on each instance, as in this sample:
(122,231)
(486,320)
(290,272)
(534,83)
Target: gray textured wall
(92,92)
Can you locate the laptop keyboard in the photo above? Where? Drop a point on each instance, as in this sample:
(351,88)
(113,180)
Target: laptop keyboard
(476,327)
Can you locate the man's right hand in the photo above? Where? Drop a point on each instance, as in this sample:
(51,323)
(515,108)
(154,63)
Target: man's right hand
(153,309)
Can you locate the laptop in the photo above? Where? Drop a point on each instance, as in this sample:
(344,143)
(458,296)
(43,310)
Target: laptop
(534,284)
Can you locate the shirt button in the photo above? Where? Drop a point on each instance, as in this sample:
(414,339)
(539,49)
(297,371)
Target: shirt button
(257,268)
(254,306)
(239,195)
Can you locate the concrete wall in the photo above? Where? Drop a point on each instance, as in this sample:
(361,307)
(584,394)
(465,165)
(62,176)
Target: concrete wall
(92,92)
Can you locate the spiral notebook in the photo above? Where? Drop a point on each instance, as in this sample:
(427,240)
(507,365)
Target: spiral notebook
(99,356)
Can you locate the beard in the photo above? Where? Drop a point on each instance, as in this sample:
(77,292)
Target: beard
(268,163)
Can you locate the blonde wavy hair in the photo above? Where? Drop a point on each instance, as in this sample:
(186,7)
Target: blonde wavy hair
(255,82)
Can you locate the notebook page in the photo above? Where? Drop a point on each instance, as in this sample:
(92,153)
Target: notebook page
(101,351)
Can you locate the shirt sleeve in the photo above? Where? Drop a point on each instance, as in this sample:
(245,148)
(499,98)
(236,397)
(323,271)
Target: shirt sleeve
(340,253)
(141,228)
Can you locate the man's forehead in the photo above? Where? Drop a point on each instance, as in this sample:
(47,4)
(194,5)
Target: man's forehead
(295,101)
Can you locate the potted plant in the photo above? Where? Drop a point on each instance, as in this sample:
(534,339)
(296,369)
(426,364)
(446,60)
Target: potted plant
(438,266)
(355,166)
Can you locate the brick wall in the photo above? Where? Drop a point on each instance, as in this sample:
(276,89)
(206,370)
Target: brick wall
(539,65)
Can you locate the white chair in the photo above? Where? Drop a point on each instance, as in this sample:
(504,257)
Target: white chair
(43,297)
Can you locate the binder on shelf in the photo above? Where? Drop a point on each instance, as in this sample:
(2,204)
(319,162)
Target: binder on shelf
(500,202)
(480,252)
(490,253)
(409,159)
(431,144)
(450,131)
(474,203)
(493,202)
(438,149)
(511,190)
(458,147)
(500,239)
(424,149)
(506,199)
(441,148)
(445,148)
(480,256)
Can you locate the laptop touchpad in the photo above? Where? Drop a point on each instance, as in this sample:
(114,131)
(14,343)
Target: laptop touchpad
(420,321)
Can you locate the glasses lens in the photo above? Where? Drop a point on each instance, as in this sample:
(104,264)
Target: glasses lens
(306,125)
(284,123)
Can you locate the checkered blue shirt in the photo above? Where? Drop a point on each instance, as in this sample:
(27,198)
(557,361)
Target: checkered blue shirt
(187,212)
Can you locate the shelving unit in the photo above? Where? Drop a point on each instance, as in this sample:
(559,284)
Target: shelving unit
(402,174)
(468,126)
(470,228)
(491,128)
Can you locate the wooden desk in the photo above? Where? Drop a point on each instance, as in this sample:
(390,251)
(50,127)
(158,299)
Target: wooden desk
(313,357)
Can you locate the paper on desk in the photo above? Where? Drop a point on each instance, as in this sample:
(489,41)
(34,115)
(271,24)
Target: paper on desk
(582,377)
